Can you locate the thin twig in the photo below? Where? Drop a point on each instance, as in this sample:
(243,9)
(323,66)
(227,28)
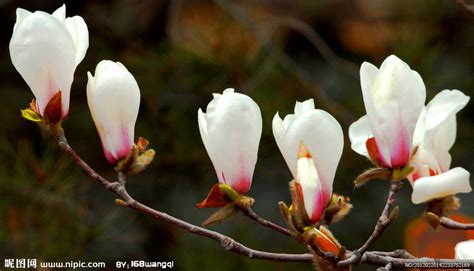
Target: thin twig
(382,223)
(251,214)
(399,253)
(317,41)
(226,242)
(454,225)
(305,78)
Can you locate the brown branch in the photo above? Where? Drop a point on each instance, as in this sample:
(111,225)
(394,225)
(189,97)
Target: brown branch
(226,242)
(385,219)
(454,225)
(398,258)
(127,201)
(254,216)
(399,253)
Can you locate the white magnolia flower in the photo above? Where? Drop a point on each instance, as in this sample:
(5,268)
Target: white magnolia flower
(394,96)
(45,49)
(230,130)
(323,137)
(434,135)
(465,250)
(113,96)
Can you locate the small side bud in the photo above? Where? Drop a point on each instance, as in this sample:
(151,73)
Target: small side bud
(338,208)
(394,214)
(53,111)
(370,174)
(433,219)
(244,201)
(444,205)
(120,202)
(451,203)
(141,162)
(221,215)
(52,115)
(138,159)
(284,210)
(323,239)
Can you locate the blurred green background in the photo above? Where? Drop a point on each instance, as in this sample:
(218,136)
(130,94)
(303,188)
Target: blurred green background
(180,52)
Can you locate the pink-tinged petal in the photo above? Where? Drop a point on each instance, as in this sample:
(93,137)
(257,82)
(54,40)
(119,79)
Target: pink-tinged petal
(109,156)
(113,96)
(231,129)
(311,188)
(242,185)
(393,96)
(442,185)
(322,135)
(464,250)
(400,153)
(43,52)
(374,152)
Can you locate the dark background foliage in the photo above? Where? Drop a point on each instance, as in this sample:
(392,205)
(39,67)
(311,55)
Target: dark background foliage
(180,52)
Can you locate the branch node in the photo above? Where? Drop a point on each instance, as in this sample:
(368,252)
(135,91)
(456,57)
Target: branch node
(227,243)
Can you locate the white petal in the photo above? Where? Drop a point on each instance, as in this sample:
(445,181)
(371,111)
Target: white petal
(301,107)
(444,138)
(444,105)
(313,197)
(464,250)
(113,96)
(359,132)
(368,75)
(202,123)
(393,102)
(436,128)
(279,130)
(80,35)
(323,137)
(234,127)
(21,14)
(42,51)
(60,13)
(445,184)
